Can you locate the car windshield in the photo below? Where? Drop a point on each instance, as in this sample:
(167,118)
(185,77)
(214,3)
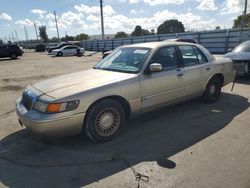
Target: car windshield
(129,60)
(243,47)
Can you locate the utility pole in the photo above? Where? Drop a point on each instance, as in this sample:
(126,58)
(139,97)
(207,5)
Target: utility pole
(243,19)
(56,26)
(36,30)
(26,33)
(16,36)
(12,36)
(102,25)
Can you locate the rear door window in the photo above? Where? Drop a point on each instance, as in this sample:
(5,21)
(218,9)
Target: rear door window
(189,56)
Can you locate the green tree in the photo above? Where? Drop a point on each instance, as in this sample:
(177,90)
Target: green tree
(145,32)
(43,33)
(137,32)
(121,34)
(68,38)
(237,21)
(217,28)
(152,32)
(170,26)
(53,39)
(82,36)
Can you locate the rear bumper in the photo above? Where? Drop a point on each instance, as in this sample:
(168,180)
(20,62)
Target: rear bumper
(49,126)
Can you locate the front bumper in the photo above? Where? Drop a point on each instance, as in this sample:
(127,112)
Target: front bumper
(50,125)
(241,67)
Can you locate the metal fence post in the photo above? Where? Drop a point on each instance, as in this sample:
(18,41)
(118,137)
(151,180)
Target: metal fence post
(226,41)
(199,37)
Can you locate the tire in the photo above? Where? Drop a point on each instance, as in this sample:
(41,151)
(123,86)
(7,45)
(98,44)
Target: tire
(104,120)
(60,54)
(13,56)
(79,54)
(213,90)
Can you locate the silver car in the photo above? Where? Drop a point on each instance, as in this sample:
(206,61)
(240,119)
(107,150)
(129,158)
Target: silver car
(132,80)
(240,56)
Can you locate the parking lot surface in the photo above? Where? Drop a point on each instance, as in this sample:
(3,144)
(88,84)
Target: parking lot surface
(187,145)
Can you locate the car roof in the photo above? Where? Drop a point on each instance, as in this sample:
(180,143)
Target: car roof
(154,45)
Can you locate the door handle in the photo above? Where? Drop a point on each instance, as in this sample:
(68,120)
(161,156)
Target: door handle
(208,68)
(180,75)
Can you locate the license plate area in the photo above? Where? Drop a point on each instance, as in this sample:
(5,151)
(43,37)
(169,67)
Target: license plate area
(21,109)
(241,68)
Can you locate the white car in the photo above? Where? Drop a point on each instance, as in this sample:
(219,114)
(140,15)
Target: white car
(241,58)
(69,50)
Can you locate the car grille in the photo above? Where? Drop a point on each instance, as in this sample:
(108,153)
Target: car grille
(27,101)
(241,67)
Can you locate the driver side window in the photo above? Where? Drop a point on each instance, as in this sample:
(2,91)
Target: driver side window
(167,57)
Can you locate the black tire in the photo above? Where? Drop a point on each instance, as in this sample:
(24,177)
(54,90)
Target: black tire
(213,90)
(104,120)
(59,54)
(13,56)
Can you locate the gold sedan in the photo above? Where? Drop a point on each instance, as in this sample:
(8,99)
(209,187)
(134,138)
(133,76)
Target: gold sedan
(132,80)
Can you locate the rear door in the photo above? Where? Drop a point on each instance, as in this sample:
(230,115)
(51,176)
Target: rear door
(3,51)
(67,50)
(196,69)
(166,86)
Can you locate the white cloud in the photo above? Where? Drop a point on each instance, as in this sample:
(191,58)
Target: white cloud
(38,11)
(163,2)
(133,1)
(133,11)
(24,22)
(116,23)
(206,5)
(69,19)
(5,16)
(233,7)
(84,9)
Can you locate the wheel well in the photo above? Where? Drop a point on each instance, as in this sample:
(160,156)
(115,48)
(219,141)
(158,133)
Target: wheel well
(117,98)
(220,76)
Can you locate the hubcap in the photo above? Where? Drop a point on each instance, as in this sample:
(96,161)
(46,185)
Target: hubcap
(212,89)
(107,122)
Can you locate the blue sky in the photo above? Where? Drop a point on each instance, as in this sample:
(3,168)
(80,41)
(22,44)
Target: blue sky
(83,16)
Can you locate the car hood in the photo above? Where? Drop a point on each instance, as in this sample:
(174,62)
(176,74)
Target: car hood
(56,50)
(70,84)
(238,55)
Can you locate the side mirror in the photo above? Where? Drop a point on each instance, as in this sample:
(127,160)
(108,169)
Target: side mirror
(155,67)
(229,50)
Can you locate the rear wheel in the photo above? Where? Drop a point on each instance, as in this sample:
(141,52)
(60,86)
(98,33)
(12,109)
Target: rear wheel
(59,54)
(13,55)
(105,120)
(213,90)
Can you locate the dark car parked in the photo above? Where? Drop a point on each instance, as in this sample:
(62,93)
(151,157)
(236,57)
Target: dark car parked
(10,50)
(62,44)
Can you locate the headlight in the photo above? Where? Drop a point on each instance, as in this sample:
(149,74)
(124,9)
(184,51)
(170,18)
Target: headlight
(55,107)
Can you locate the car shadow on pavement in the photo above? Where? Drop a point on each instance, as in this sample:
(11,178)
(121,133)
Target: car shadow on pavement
(26,161)
(8,59)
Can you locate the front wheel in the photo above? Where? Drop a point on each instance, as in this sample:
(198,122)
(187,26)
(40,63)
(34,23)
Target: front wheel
(105,120)
(13,56)
(213,90)
(59,54)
